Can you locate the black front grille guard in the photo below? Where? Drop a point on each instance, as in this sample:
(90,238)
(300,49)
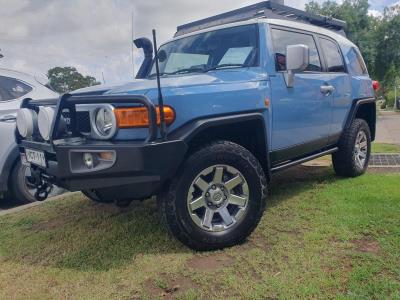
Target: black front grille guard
(68,101)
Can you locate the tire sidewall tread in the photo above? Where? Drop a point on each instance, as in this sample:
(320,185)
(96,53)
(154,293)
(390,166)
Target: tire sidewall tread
(173,206)
(344,163)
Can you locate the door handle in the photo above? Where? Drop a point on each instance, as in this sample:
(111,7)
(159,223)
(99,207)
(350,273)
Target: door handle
(327,89)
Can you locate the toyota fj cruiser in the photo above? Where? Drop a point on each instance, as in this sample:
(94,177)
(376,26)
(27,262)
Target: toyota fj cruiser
(217,110)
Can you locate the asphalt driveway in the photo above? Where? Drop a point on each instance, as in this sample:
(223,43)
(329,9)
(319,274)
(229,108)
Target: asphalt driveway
(388,128)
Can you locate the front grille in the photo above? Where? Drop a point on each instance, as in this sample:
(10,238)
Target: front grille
(83,122)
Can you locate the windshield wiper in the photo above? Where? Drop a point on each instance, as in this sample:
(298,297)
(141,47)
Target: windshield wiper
(188,70)
(181,71)
(222,66)
(203,70)
(161,74)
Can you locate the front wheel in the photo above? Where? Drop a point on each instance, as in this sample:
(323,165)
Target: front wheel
(354,153)
(21,185)
(217,198)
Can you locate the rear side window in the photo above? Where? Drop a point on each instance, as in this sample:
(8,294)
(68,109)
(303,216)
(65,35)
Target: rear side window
(333,56)
(11,88)
(282,39)
(356,63)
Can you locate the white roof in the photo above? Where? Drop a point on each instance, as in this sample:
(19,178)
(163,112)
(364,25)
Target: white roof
(286,23)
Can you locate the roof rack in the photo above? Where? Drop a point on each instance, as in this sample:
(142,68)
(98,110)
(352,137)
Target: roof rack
(265,9)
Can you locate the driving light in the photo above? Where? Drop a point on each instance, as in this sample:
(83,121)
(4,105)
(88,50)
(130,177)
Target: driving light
(26,122)
(45,121)
(88,160)
(131,117)
(105,122)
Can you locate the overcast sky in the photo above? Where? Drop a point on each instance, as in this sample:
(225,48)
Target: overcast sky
(95,35)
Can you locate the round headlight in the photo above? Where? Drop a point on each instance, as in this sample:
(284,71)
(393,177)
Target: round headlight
(105,122)
(26,122)
(45,120)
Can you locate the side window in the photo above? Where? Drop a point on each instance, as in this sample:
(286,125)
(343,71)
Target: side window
(12,88)
(333,56)
(356,63)
(283,38)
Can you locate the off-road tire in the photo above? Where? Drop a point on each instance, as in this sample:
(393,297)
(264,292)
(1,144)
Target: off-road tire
(18,190)
(173,201)
(344,160)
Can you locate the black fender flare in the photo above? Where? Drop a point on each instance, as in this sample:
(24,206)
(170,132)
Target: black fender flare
(357,103)
(190,130)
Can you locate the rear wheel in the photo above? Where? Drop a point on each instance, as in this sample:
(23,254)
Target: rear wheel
(217,199)
(354,153)
(21,186)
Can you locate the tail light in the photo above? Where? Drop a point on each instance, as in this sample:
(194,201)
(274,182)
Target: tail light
(136,117)
(376,85)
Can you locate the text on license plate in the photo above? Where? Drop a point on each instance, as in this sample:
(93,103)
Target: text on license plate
(36,157)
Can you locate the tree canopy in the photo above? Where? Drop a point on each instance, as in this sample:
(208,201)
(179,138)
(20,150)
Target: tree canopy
(67,79)
(377,37)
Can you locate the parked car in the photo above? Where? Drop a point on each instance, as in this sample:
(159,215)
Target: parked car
(242,95)
(14,177)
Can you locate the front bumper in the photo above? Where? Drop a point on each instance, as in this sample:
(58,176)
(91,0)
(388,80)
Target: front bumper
(139,169)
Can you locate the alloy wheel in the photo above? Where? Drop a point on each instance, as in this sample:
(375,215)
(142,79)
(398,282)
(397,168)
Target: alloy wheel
(218,198)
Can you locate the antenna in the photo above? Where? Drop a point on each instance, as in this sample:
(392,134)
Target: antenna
(163,130)
(133,49)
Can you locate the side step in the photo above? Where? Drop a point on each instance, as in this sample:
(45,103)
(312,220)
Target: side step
(302,160)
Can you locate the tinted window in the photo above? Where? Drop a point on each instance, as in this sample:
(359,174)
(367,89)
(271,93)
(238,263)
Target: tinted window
(333,56)
(356,63)
(283,38)
(11,88)
(230,47)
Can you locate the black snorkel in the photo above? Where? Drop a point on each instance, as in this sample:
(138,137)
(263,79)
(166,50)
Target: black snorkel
(147,46)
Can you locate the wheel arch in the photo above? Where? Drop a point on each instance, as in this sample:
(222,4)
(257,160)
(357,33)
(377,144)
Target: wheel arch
(247,130)
(364,109)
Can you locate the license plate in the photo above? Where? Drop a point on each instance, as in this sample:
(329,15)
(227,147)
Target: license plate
(35,157)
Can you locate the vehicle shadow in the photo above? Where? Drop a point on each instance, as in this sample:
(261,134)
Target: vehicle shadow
(6,204)
(298,179)
(78,234)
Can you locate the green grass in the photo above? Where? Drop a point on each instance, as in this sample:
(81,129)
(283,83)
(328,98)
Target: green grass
(321,237)
(385,148)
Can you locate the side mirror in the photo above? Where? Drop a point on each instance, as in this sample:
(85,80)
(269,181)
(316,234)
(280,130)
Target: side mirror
(297,60)
(162,56)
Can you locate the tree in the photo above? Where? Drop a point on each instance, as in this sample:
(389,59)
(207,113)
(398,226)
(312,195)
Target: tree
(67,79)
(388,39)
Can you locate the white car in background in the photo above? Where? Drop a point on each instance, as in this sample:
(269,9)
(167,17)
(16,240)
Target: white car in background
(14,87)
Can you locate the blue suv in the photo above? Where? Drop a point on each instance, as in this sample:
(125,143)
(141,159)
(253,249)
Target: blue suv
(226,103)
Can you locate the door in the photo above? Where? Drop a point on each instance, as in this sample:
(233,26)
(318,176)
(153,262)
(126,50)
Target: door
(11,90)
(301,116)
(339,79)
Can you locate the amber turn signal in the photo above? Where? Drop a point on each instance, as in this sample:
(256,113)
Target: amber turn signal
(131,117)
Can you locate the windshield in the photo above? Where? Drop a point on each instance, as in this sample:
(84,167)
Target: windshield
(225,48)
